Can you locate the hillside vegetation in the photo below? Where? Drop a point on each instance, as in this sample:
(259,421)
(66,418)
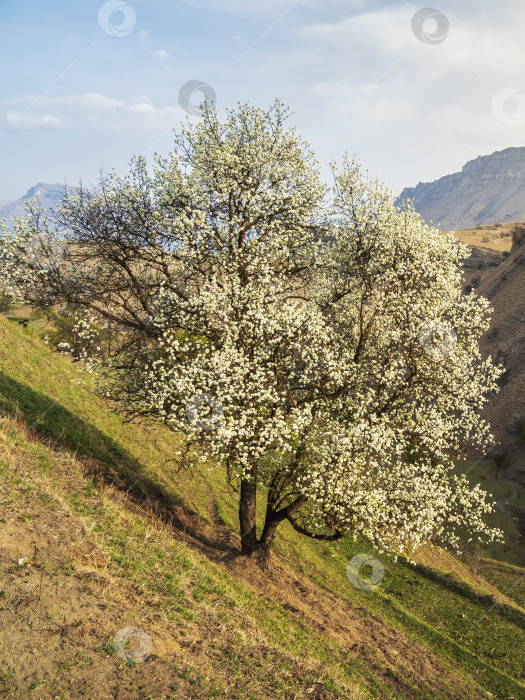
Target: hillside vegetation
(99,532)
(492,236)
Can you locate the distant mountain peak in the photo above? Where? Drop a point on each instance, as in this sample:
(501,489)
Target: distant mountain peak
(49,195)
(42,188)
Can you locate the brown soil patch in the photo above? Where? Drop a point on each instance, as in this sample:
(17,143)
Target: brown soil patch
(62,602)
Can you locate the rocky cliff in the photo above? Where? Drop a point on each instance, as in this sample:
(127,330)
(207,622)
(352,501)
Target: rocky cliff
(488,190)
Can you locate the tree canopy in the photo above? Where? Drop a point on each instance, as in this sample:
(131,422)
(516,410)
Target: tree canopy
(314,342)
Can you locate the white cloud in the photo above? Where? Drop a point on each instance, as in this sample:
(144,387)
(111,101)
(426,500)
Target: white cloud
(412,110)
(353,72)
(92,109)
(89,102)
(15,120)
(93,103)
(142,105)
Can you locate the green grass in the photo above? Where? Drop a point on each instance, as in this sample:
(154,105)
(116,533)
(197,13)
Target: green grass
(44,389)
(447,604)
(184,587)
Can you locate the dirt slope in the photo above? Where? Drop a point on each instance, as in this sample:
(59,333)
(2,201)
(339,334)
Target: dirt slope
(504,286)
(63,601)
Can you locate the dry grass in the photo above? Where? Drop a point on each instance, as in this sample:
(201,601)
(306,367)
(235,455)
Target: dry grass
(495,236)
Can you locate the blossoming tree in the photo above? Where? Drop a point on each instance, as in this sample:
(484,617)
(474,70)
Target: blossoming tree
(314,344)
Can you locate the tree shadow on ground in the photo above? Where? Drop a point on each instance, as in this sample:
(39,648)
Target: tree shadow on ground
(108,463)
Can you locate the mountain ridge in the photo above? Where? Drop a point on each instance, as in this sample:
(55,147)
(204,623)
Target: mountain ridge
(489,189)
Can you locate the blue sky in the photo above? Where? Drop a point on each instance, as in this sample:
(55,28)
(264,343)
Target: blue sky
(83,89)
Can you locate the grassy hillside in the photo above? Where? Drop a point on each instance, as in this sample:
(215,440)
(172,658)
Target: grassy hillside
(99,532)
(495,236)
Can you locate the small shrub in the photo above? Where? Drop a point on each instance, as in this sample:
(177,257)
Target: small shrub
(475,281)
(6,303)
(518,235)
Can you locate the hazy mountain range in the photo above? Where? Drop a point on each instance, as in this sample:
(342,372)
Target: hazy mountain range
(488,190)
(49,195)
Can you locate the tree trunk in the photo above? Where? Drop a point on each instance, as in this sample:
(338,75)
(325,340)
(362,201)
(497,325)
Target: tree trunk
(247,516)
(259,549)
(262,555)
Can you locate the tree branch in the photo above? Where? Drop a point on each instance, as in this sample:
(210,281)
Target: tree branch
(313,535)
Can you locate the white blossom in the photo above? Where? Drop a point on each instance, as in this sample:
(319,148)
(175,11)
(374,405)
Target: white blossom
(299,312)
